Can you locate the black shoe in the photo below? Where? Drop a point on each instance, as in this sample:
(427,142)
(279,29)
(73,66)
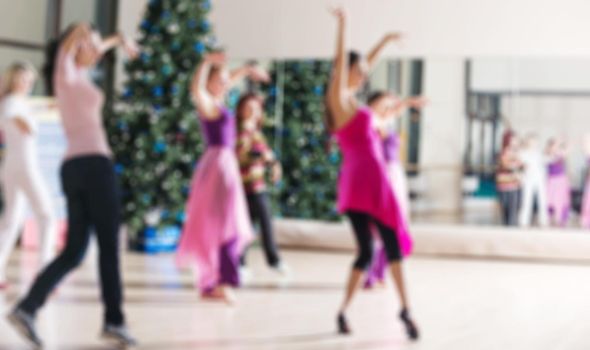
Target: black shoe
(411,329)
(343,325)
(119,335)
(25,325)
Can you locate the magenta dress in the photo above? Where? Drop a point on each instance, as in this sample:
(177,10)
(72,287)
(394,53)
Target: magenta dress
(218,226)
(558,192)
(363,184)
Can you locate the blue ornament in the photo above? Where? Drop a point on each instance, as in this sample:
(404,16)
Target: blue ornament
(273,91)
(206,5)
(146,198)
(175,46)
(319,90)
(157,107)
(167,69)
(145,57)
(158,91)
(199,47)
(128,92)
(122,125)
(166,15)
(180,217)
(164,214)
(174,90)
(160,147)
(192,24)
(185,190)
(205,25)
(145,24)
(334,158)
(119,168)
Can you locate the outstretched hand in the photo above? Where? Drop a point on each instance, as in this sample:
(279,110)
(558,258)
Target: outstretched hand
(257,74)
(130,47)
(217,58)
(392,37)
(338,12)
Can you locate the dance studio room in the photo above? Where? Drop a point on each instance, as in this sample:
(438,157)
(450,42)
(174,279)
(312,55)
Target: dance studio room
(294,174)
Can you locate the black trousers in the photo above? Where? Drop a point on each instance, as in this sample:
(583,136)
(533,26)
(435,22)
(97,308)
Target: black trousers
(361,224)
(260,213)
(509,204)
(92,195)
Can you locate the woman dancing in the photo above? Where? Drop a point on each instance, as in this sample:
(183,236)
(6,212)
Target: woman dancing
(558,183)
(218,227)
(365,194)
(387,107)
(20,173)
(508,179)
(255,157)
(89,182)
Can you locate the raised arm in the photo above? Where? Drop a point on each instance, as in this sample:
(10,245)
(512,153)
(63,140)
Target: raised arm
(79,34)
(416,102)
(251,71)
(201,97)
(373,55)
(339,110)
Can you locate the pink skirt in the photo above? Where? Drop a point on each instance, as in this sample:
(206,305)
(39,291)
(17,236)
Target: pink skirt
(217,215)
(559,198)
(585,215)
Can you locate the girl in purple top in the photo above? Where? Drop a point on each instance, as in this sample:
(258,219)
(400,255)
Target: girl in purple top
(88,180)
(364,191)
(387,107)
(218,226)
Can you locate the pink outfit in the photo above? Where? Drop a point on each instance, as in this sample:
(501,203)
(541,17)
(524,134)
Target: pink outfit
(558,192)
(80,104)
(585,214)
(363,184)
(218,226)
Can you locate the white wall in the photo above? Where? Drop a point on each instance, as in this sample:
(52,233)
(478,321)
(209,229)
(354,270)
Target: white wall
(303,28)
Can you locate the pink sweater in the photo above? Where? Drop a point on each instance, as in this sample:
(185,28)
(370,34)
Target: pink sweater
(80,104)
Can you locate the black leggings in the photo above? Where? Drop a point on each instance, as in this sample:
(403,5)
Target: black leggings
(92,195)
(510,205)
(259,207)
(361,224)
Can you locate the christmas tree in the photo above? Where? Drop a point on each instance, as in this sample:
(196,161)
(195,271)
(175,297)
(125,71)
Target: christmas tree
(310,159)
(153,128)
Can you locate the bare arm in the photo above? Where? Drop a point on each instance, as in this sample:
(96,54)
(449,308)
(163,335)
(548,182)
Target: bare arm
(22,125)
(340,110)
(75,37)
(251,71)
(374,54)
(201,97)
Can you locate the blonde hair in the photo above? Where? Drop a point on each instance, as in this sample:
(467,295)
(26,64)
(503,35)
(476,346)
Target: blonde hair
(8,80)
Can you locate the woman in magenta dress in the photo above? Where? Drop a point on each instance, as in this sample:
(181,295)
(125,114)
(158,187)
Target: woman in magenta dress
(558,183)
(365,194)
(217,227)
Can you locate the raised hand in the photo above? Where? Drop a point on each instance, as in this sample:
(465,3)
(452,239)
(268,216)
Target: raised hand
(393,36)
(217,58)
(130,47)
(258,74)
(339,13)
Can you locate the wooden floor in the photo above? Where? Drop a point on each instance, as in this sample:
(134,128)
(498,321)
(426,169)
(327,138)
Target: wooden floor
(460,304)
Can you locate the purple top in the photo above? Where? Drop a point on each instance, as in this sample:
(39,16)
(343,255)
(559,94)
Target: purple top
(391,145)
(220,132)
(557,167)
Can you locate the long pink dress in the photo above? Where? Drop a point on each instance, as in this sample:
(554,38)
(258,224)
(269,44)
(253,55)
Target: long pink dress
(218,226)
(364,185)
